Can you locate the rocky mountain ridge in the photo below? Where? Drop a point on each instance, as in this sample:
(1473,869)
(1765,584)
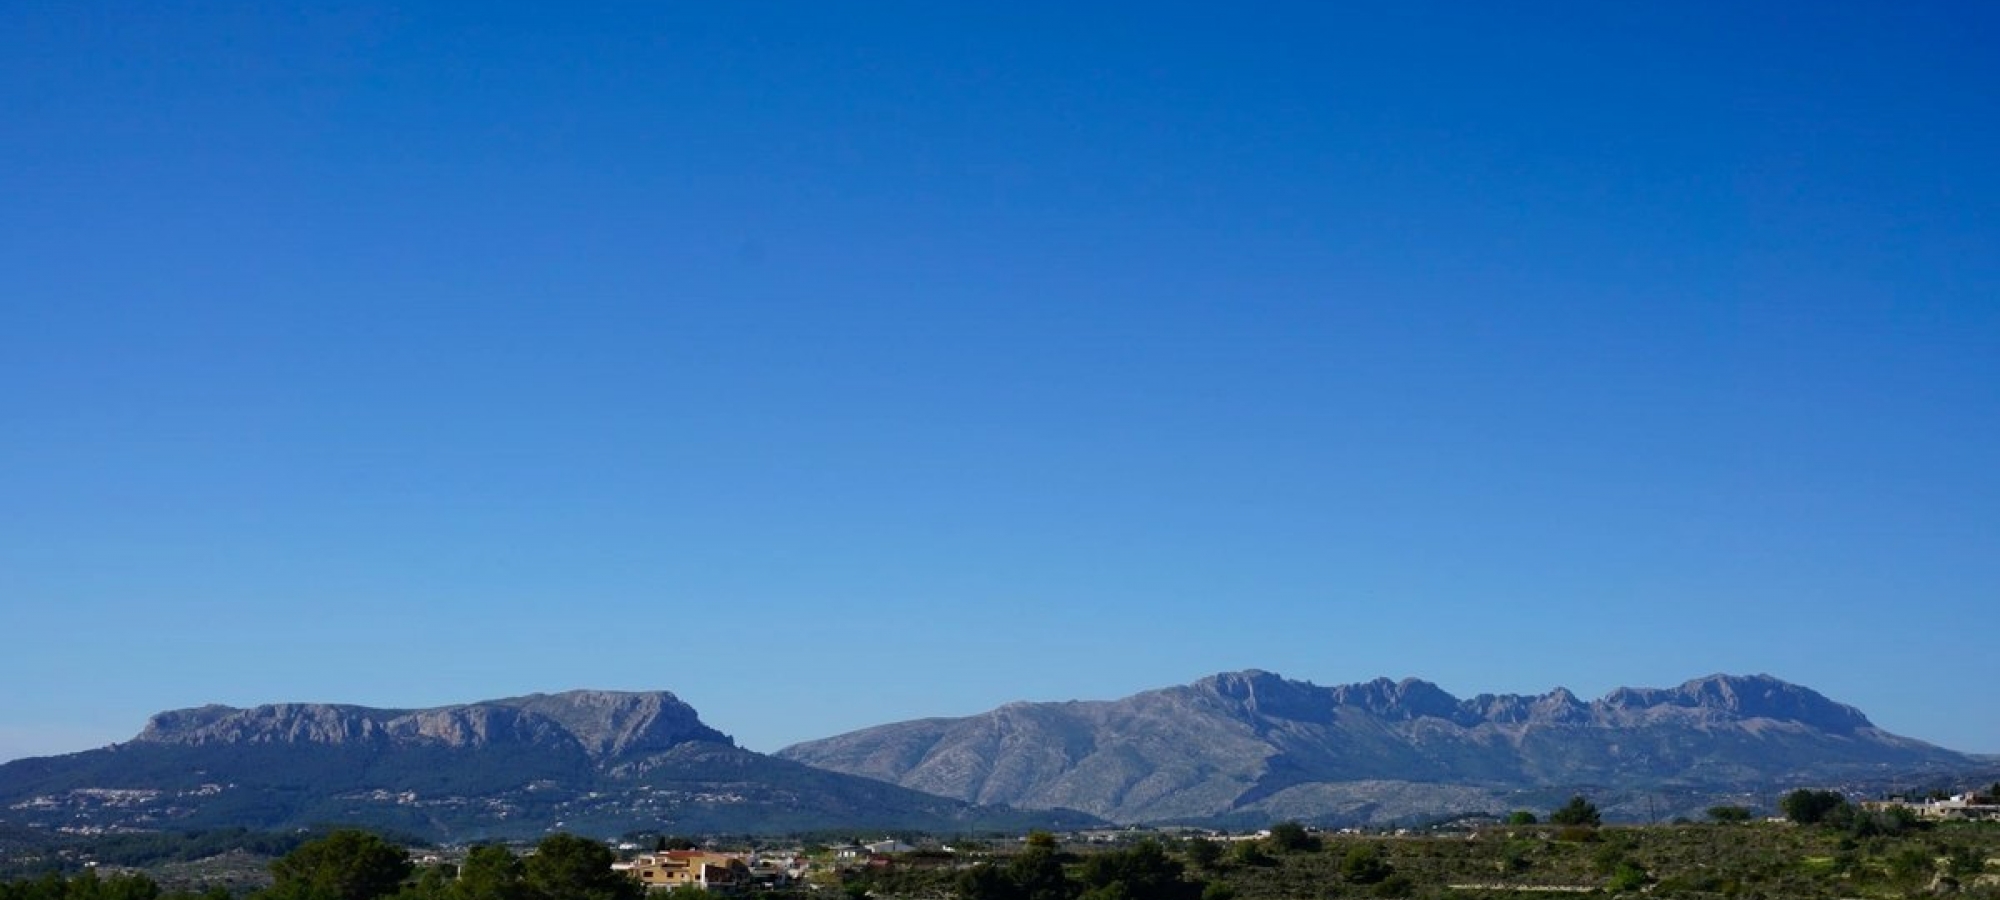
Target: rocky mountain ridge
(1252,745)
(593,761)
(1750,696)
(1240,748)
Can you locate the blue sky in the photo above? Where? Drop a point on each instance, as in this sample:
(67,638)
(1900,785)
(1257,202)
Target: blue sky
(835,364)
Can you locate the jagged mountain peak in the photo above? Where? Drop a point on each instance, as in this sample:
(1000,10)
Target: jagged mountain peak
(1270,694)
(1749,697)
(1737,696)
(1242,682)
(621,723)
(1405,699)
(1260,693)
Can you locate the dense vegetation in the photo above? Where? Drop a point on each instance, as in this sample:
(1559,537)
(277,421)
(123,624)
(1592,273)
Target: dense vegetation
(1735,861)
(88,886)
(31,853)
(1853,857)
(356,865)
(1143,871)
(1829,849)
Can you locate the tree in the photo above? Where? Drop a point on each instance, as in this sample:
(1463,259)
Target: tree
(984,882)
(1363,865)
(433,883)
(348,864)
(1202,852)
(1578,811)
(84,886)
(88,886)
(1142,872)
(1037,874)
(1521,817)
(1890,822)
(1291,837)
(490,872)
(567,867)
(1728,815)
(1250,853)
(1033,874)
(1810,807)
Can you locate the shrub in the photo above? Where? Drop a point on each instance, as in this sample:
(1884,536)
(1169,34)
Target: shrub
(1291,837)
(1249,854)
(1810,807)
(1364,865)
(1729,815)
(1578,811)
(1203,853)
(1628,877)
(1396,885)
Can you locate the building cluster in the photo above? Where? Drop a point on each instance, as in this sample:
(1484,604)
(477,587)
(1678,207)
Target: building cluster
(721,872)
(1969,805)
(714,871)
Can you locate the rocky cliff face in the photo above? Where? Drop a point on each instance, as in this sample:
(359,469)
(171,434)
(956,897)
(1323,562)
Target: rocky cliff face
(603,724)
(1254,745)
(1754,697)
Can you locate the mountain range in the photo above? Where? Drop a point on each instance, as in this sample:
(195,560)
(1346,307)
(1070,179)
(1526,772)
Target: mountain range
(1253,747)
(1235,749)
(590,761)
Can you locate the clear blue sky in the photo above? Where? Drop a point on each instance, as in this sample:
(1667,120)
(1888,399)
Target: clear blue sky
(834,364)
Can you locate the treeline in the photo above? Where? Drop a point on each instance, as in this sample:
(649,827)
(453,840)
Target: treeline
(1831,809)
(1143,871)
(36,855)
(358,865)
(157,847)
(88,886)
(1149,869)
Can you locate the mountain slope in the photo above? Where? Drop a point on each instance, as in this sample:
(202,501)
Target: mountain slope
(595,761)
(1253,746)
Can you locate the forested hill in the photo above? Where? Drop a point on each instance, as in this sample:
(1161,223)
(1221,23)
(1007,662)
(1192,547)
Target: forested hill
(1256,747)
(584,760)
